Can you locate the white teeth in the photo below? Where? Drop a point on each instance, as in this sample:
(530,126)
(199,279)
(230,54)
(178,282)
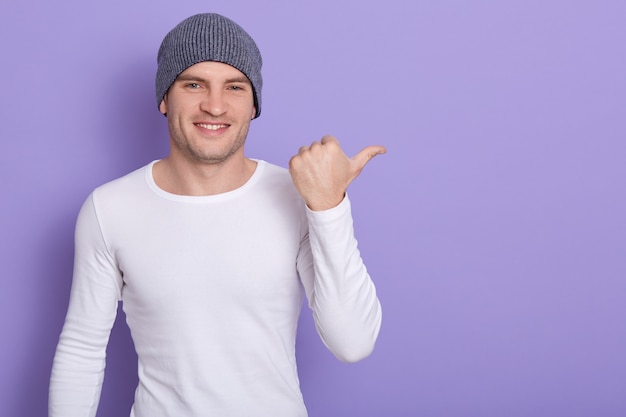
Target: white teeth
(211,127)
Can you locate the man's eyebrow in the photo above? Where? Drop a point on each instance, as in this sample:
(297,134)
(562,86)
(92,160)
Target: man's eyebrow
(241,79)
(189,77)
(186,77)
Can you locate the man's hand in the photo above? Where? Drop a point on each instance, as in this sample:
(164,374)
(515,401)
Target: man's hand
(322,172)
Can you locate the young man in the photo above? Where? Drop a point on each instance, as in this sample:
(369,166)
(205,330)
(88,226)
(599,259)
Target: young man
(211,252)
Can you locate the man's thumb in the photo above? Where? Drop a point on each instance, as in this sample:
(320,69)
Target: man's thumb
(366,154)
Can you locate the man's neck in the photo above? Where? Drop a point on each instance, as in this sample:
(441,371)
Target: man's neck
(180,177)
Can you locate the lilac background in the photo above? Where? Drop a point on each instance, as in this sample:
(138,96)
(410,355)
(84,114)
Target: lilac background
(494,227)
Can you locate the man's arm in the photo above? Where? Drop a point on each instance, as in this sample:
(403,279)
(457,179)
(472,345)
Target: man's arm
(79,362)
(341,294)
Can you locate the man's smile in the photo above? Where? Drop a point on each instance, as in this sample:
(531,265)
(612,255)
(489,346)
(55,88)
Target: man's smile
(211,126)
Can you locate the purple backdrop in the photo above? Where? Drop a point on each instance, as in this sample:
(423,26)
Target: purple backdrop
(494,227)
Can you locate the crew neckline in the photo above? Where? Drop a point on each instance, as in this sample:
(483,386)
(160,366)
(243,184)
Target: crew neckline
(258,171)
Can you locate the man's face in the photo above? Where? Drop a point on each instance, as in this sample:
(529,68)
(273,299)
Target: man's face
(209,107)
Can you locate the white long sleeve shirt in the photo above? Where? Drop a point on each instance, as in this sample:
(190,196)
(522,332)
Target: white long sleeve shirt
(212,288)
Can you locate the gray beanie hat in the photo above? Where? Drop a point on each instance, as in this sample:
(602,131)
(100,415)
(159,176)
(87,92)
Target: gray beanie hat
(208,37)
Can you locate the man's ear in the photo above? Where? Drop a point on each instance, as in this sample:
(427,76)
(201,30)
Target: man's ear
(253,112)
(163,107)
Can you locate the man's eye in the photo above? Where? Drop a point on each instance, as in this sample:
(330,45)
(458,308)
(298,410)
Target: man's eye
(193,86)
(235,87)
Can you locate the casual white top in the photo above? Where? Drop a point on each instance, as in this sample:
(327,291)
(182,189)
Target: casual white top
(212,288)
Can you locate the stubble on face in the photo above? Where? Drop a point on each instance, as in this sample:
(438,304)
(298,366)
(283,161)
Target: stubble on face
(205,152)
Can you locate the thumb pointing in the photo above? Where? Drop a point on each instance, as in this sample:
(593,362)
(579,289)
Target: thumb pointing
(366,154)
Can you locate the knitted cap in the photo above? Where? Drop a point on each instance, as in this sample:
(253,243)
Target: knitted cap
(208,37)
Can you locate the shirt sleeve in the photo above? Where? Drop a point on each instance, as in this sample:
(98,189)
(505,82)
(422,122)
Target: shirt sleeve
(340,292)
(79,362)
